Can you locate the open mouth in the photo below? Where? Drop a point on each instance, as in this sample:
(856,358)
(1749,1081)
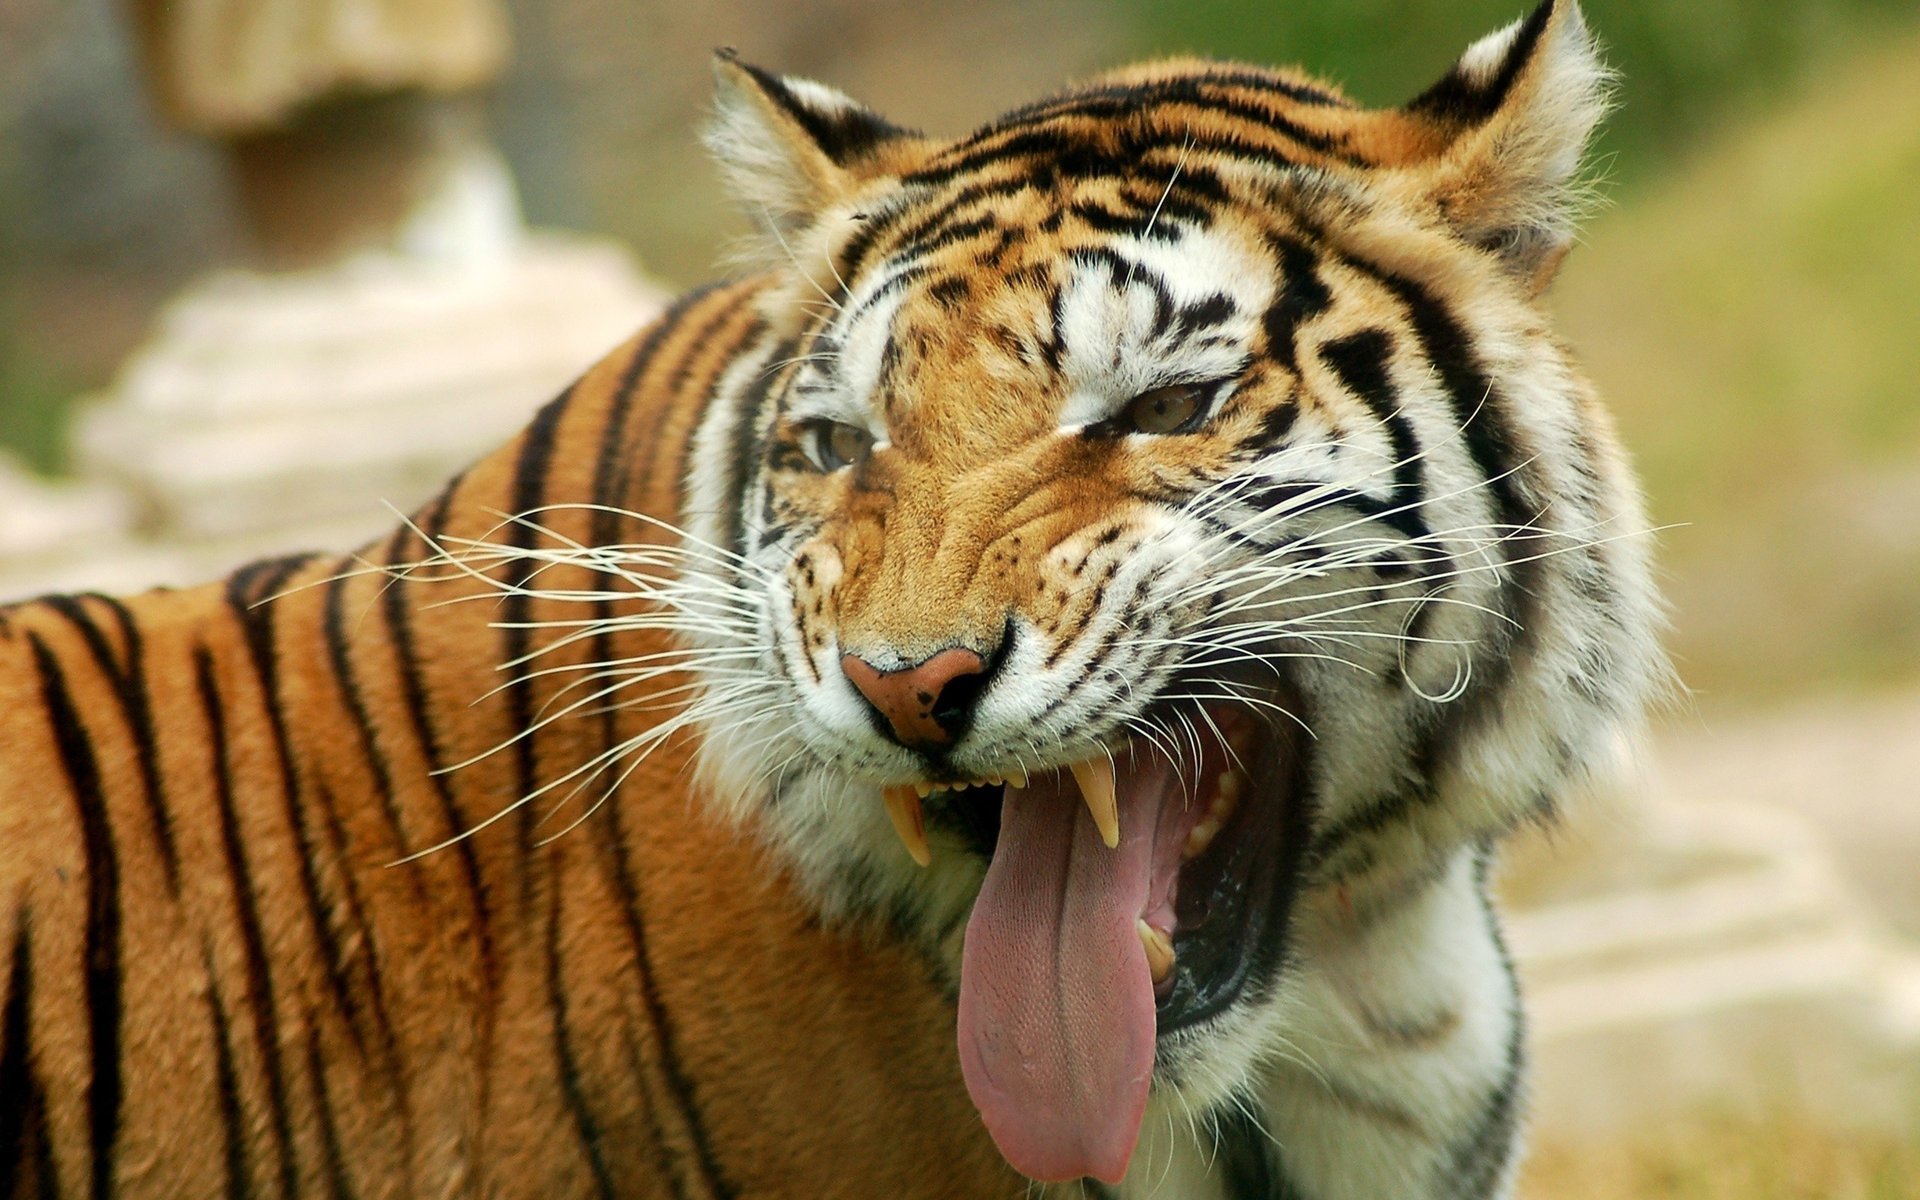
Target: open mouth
(1127,898)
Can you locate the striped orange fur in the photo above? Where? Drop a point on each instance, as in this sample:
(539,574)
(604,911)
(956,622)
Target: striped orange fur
(539,848)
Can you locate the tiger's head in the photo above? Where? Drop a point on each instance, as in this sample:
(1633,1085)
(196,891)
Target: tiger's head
(1166,511)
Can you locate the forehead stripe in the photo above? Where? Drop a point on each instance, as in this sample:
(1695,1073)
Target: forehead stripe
(1152,99)
(1303,295)
(1251,81)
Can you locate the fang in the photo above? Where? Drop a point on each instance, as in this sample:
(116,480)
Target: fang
(1095,777)
(903,809)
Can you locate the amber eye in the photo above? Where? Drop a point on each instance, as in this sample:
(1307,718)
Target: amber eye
(1175,408)
(835,444)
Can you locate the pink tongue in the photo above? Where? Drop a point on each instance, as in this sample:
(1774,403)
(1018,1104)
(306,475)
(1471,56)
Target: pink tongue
(1056,1004)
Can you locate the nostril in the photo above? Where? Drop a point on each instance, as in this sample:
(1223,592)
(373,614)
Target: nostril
(953,707)
(926,704)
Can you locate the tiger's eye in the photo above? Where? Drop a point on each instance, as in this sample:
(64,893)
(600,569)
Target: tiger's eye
(837,444)
(1165,409)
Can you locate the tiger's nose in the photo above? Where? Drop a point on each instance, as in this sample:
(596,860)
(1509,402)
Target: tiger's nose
(928,704)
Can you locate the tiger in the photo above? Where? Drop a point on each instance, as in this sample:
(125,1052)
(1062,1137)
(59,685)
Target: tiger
(1020,687)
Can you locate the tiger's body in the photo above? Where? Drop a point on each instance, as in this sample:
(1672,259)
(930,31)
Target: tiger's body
(1356,462)
(217,984)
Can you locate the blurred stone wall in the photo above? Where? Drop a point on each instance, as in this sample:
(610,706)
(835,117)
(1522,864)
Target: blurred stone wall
(104,212)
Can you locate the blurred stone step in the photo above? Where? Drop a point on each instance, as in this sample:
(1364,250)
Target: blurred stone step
(1756,980)
(267,403)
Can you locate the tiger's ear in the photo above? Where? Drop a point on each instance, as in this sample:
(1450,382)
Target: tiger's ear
(1515,114)
(790,147)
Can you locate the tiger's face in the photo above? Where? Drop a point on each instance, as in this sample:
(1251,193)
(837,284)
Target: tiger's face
(1165,515)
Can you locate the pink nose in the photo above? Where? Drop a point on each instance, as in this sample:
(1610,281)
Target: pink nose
(921,702)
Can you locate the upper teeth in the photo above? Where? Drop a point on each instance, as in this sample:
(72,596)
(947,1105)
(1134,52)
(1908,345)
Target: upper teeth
(1094,777)
(1226,798)
(1017,779)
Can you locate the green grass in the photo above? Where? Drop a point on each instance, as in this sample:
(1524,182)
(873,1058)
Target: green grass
(1680,63)
(35,406)
(1753,320)
(1724,1159)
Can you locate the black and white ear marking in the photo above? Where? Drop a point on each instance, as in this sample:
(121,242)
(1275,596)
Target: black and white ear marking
(1520,105)
(789,146)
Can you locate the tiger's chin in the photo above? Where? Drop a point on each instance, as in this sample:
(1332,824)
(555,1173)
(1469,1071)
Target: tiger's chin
(1135,910)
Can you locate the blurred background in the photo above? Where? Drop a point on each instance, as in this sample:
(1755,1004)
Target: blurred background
(204,289)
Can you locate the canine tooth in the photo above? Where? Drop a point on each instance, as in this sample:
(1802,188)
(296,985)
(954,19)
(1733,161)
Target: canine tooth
(903,809)
(1159,950)
(1018,779)
(922,790)
(1095,777)
(1200,837)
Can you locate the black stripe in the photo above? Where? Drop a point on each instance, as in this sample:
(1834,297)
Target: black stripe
(842,133)
(371,969)
(633,916)
(1478,409)
(1138,106)
(253,942)
(563,1053)
(853,254)
(1242,1158)
(630,917)
(1456,98)
(18,1110)
(341,664)
(612,471)
(1479,412)
(904,270)
(1361,360)
(1275,426)
(1480,1159)
(340,657)
(259,582)
(335,1163)
(945,234)
(1302,295)
(1370,817)
(1304,498)
(129,683)
(742,445)
(104,1008)
(227,1086)
(1041,154)
(399,618)
(1205,313)
(249,593)
(702,339)
(1248,1163)
(247,597)
(1226,75)
(531,465)
(612,466)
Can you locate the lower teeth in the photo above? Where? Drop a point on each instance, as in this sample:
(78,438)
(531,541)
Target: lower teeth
(1159,949)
